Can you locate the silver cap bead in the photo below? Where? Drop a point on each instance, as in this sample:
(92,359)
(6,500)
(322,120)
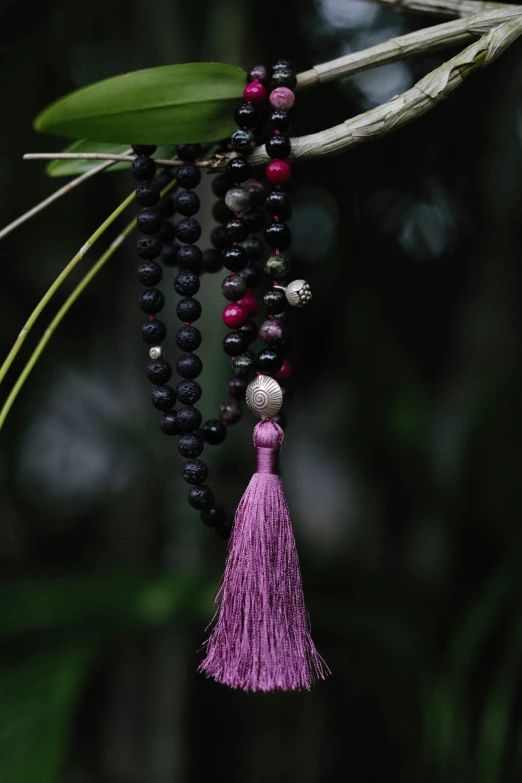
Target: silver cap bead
(264,397)
(298,293)
(156,352)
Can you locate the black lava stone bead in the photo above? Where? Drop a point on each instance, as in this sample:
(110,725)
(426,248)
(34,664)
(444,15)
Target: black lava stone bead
(152,301)
(278,146)
(189,366)
(220,238)
(187,203)
(247,116)
(190,257)
(241,141)
(188,419)
(143,169)
(149,273)
(233,288)
(188,392)
(212,260)
(201,497)
(188,230)
(278,203)
(237,388)
(195,471)
(188,152)
(163,398)
(239,170)
(280,119)
(148,247)
(188,338)
(215,516)
(188,310)
(243,366)
(159,372)
(220,212)
(147,194)
(214,432)
(154,331)
(275,301)
(144,149)
(149,221)
(186,283)
(248,330)
(168,423)
(169,255)
(253,247)
(167,232)
(278,235)
(234,344)
(254,220)
(220,184)
(237,230)
(259,73)
(269,361)
(190,445)
(253,275)
(230,411)
(234,258)
(283,77)
(188,176)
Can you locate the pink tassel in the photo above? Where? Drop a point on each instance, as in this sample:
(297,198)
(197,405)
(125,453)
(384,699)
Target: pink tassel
(261,640)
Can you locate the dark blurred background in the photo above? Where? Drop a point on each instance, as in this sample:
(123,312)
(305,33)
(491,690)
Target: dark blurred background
(403,459)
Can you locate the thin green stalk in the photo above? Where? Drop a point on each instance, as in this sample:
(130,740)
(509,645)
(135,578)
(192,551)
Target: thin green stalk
(64,310)
(57,283)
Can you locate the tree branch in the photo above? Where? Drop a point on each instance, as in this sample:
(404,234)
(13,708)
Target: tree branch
(101,156)
(398,111)
(421,41)
(442,7)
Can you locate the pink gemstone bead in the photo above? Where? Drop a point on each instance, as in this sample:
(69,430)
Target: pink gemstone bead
(250,303)
(284,373)
(282,98)
(234,315)
(278,172)
(254,92)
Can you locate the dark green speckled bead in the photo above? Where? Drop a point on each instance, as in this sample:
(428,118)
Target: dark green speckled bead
(277,265)
(243,366)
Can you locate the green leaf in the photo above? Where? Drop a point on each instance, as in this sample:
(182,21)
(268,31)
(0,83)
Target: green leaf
(38,697)
(68,168)
(173,104)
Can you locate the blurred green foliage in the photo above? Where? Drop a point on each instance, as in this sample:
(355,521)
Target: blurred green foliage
(403,451)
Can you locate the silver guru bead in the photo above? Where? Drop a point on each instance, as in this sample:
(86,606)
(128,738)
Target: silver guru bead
(264,397)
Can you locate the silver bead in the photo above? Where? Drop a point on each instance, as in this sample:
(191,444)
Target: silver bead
(298,293)
(264,397)
(237,199)
(156,352)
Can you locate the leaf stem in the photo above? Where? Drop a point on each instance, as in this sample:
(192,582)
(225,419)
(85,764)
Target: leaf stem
(57,283)
(64,309)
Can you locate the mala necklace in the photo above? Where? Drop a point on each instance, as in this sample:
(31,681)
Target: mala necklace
(260,637)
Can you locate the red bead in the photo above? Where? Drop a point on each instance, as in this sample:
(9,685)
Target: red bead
(234,315)
(278,172)
(284,373)
(254,92)
(250,303)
